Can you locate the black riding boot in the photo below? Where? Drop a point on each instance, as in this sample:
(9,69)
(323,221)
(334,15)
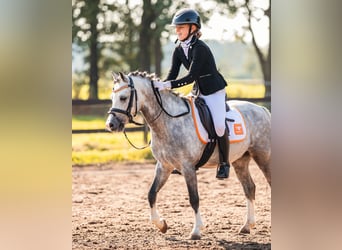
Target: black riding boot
(223,146)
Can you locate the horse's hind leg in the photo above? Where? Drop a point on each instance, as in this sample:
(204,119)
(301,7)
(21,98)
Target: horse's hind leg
(160,178)
(191,182)
(242,172)
(262,159)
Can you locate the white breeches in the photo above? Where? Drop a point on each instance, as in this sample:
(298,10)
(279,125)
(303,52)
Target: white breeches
(217,106)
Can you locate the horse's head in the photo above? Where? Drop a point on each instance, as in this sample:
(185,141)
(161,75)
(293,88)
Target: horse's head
(124,103)
(135,92)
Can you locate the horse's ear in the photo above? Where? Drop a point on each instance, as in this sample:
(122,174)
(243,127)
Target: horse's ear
(123,77)
(115,76)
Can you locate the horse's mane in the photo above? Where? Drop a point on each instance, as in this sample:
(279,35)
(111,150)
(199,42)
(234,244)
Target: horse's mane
(151,77)
(145,74)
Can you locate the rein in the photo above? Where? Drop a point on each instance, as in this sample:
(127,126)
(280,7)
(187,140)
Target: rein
(160,102)
(136,147)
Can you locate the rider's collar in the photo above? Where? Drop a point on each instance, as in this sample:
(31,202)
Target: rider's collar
(187,42)
(193,39)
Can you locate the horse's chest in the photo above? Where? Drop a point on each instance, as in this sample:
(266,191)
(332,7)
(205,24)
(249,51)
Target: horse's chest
(175,150)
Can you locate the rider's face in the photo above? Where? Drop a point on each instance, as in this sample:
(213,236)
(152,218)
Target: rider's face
(182,31)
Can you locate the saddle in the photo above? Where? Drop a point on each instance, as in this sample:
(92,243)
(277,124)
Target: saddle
(208,124)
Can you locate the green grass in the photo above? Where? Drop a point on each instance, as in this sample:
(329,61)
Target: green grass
(88,122)
(108,147)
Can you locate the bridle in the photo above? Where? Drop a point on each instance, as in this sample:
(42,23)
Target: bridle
(133,96)
(127,112)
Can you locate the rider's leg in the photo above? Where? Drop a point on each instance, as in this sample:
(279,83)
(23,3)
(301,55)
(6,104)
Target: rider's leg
(217,104)
(223,146)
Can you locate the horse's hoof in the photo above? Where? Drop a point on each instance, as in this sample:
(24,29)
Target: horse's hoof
(245,230)
(195,237)
(163,229)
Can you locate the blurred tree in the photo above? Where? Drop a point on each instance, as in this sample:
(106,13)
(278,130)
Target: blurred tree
(90,20)
(145,35)
(155,17)
(125,43)
(253,12)
(162,8)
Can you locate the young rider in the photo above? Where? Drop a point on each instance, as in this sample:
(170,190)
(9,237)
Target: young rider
(197,58)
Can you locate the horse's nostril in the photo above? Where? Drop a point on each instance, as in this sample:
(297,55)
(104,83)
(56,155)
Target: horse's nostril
(111,125)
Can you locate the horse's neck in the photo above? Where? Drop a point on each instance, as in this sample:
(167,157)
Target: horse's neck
(145,97)
(151,110)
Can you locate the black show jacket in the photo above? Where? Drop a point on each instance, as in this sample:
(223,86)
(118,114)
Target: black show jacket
(201,68)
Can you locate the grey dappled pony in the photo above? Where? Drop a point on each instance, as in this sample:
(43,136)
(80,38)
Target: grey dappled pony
(175,145)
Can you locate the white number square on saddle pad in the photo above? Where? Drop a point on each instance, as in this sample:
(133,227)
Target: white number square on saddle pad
(237,129)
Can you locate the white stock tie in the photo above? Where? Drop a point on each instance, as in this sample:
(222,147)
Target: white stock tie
(185,46)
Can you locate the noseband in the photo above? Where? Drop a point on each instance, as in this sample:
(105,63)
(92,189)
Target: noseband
(127,112)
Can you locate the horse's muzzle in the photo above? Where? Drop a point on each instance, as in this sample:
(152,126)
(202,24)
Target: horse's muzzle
(114,124)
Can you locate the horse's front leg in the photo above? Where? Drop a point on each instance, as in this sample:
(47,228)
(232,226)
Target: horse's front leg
(160,178)
(191,182)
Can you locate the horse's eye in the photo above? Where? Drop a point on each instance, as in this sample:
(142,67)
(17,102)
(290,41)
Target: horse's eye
(123,98)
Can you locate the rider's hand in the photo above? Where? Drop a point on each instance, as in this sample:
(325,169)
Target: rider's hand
(162,85)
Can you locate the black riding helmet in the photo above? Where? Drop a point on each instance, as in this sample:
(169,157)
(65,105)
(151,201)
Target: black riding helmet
(187,16)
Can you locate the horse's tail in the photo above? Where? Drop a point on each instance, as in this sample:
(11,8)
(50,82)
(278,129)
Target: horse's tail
(266,110)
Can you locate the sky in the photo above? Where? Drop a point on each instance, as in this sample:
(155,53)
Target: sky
(223,28)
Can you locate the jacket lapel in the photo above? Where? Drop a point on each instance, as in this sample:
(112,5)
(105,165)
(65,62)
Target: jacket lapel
(190,53)
(193,41)
(185,61)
